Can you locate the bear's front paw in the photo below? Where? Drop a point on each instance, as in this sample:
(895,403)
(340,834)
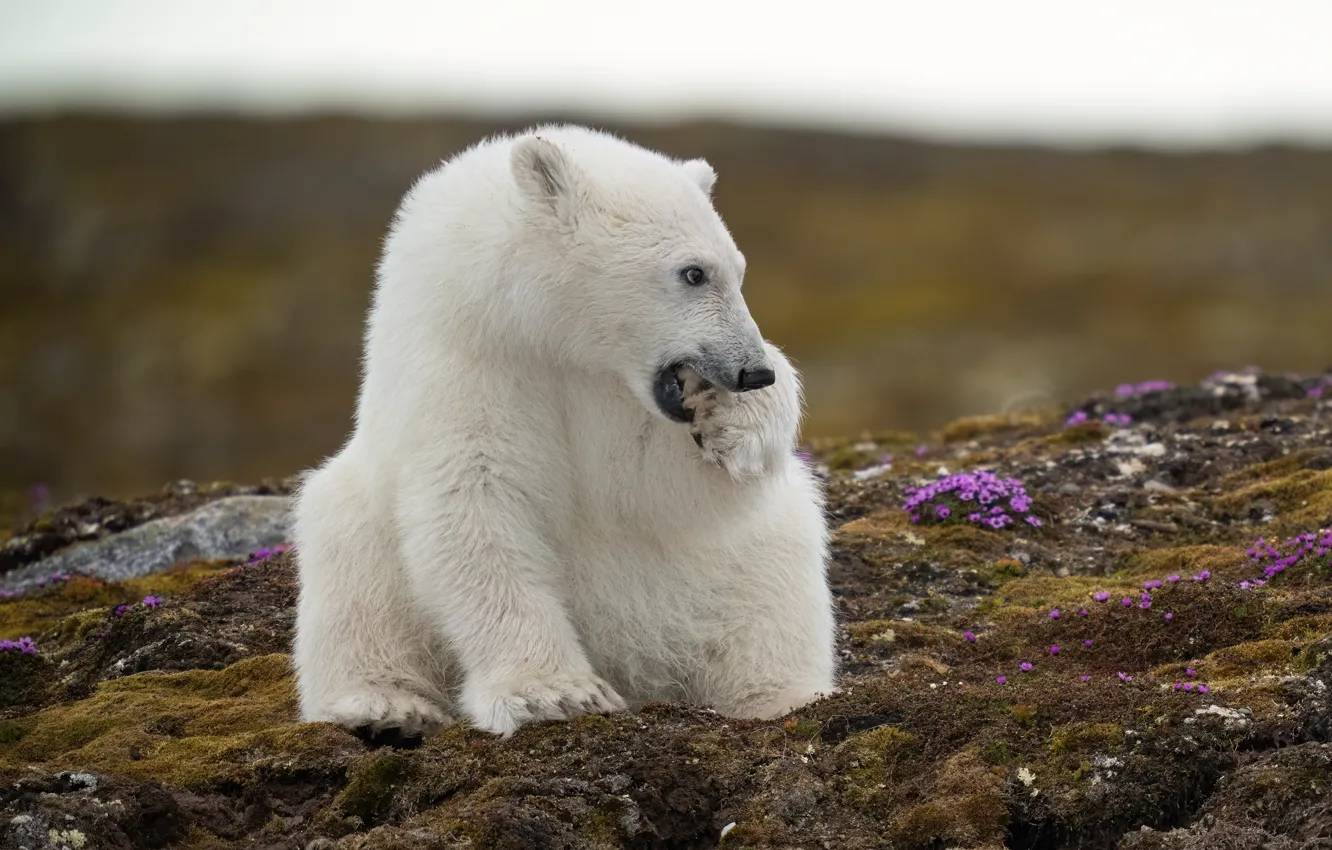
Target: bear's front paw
(501,707)
(726,430)
(384,715)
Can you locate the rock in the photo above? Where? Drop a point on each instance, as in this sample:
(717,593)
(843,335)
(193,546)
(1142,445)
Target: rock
(227,528)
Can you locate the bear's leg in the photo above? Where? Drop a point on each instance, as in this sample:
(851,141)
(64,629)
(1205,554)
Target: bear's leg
(748,434)
(777,649)
(364,657)
(474,553)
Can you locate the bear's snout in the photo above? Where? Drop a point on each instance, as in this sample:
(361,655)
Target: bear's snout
(755,379)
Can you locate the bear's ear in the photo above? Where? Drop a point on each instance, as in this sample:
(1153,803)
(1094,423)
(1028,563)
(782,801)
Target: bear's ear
(545,173)
(701,173)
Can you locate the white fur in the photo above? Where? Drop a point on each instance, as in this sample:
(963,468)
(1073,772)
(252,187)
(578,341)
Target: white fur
(514,531)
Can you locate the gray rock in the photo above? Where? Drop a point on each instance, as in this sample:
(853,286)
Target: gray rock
(227,528)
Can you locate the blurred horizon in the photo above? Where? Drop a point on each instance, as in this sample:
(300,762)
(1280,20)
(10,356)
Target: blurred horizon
(1183,74)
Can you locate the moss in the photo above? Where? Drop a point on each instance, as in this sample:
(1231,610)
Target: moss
(996,753)
(901,633)
(1025,715)
(1220,561)
(971,427)
(233,717)
(800,728)
(1008,568)
(1303,498)
(1250,659)
(851,456)
(371,784)
(966,808)
(86,598)
(1080,738)
(1086,432)
(873,757)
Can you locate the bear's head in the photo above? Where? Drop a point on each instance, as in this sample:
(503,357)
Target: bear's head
(649,277)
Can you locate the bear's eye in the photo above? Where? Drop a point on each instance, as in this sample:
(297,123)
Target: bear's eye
(693,275)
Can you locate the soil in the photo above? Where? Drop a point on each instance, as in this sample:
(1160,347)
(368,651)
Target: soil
(172,725)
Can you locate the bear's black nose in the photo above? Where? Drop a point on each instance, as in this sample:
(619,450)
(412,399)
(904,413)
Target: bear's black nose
(756,379)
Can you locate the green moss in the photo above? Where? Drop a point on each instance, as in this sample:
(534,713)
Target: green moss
(901,633)
(87,599)
(964,809)
(1025,715)
(11,731)
(1221,561)
(872,757)
(371,784)
(1009,568)
(972,427)
(848,457)
(1250,659)
(1302,498)
(233,717)
(1087,432)
(1077,738)
(996,753)
(800,728)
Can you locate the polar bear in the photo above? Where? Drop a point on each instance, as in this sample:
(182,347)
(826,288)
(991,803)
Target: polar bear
(571,486)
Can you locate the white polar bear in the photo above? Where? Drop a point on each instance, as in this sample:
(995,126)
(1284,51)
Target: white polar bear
(571,485)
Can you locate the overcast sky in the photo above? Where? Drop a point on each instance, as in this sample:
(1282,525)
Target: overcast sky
(1065,71)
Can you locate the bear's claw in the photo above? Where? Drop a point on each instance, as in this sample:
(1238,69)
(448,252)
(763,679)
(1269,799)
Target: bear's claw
(502,708)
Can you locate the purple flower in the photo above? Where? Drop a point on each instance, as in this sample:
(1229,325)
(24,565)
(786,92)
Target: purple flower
(942,511)
(1315,392)
(120,610)
(1003,680)
(1034,521)
(23,646)
(1178,686)
(1025,666)
(1054,650)
(1188,686)
(1203,689)
(1169,615)
(1054,615)
(1087,642)
(1101,595)
(151,601)
(971,638)
(922,450)
(1203,576)
(1085,678)
(1077,418)
(1082,613)
(1151,585)
(1126,602)
(1189,671)
(1124,677)
(1172,579)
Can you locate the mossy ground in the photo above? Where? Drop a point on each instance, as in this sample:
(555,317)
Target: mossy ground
(185,713)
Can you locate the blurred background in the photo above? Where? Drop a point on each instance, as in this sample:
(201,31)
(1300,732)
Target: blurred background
(948,208)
